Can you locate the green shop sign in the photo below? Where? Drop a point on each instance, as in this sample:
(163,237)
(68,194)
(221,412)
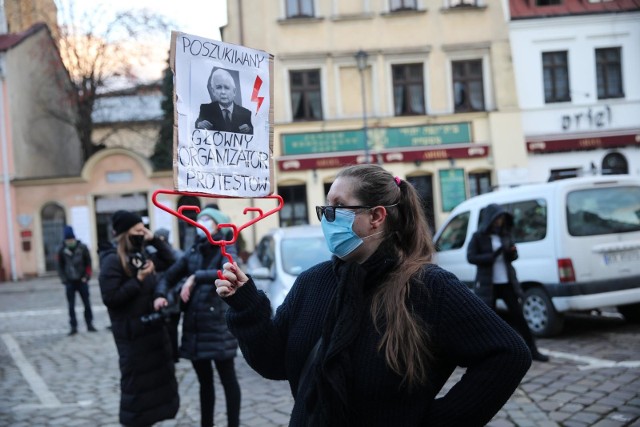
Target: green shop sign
(379,139)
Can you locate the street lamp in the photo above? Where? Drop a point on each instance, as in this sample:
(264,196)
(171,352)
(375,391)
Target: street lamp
(361,59)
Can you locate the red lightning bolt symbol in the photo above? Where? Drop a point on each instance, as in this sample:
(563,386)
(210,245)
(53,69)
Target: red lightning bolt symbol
(256,89)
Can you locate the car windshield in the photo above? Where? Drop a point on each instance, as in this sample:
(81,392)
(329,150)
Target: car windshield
(298,254)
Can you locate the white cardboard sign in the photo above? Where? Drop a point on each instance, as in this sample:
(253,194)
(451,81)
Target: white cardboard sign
(223,124)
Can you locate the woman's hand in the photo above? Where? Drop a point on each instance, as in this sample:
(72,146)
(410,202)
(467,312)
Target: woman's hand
(146,270)
(160,302)
(235,278)
(185,292)
(148,235)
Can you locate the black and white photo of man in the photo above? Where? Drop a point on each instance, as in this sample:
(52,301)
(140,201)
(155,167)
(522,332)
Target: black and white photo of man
(223,113)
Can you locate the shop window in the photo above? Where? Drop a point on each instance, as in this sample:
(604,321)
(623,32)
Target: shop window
(424,186)
(468,91)
(294,211)
(479,183)
(408,89)
(463,3)
(306,99)
(555,71)
(609,73)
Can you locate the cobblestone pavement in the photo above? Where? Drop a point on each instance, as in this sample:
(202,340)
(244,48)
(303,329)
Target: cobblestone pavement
(50,379)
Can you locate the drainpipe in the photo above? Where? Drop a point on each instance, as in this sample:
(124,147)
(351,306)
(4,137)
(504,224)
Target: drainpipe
(6,178)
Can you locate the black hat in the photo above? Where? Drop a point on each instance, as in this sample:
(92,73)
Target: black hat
(124,220)
(68,233)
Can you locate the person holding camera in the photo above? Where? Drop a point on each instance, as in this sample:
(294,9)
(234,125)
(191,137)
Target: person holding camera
(205,336)
(149,390)
(493,250)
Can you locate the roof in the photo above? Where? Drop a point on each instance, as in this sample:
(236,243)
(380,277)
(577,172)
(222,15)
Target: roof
(128,108)
(11,40)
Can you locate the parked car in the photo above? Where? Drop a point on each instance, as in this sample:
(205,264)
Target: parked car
(578,242)
(284,253)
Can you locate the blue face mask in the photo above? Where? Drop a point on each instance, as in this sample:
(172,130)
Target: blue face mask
(339,234)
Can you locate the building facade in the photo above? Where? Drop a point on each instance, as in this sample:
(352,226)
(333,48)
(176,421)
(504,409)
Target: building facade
(423,87)
(36,142)
(577,65)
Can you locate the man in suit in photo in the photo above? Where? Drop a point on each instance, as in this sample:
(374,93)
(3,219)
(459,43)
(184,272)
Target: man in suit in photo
(223,114)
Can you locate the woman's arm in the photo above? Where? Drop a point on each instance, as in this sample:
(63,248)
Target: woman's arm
(475,255)
(471,335)
(116,287)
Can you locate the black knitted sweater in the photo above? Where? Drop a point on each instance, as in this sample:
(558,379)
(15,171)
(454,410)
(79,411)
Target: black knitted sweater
(463,332)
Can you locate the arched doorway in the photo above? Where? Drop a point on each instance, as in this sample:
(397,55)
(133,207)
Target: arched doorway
(615,164)
(187,232)
(53,220)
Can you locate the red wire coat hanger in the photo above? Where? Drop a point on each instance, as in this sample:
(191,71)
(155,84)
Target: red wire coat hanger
(236,230)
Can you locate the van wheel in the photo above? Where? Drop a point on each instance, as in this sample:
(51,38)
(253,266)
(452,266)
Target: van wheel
(540,314)
(630,312)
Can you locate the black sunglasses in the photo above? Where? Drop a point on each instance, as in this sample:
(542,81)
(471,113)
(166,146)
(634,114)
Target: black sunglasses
(329,212)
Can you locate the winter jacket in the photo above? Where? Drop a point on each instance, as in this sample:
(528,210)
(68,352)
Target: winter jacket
(149,391)
(463,332)
(480,253)
(204,329)
(74,264)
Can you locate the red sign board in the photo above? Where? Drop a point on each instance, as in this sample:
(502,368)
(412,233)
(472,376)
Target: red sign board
(587,143)
(293,163)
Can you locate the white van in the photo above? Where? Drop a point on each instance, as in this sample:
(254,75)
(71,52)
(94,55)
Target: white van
(578,242)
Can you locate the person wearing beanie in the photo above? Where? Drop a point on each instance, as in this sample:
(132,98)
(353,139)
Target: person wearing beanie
(74,270)
(148,386)
(205,336)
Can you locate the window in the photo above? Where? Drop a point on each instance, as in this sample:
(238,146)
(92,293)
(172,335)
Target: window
(306,101)
(400,5)
(548,2)
(408,89)
(479,183)
(53,220)
(603,211)
(294,211)
(454,234)
(529,219)
(424,186)
(609,73)
(463,3)
(468,92)
(555,70)
(299,8)
(557,174)
(615,164)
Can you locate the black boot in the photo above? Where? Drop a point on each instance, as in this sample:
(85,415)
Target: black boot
(73,331)
(536,355)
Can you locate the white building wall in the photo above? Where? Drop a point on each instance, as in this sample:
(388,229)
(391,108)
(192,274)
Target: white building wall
(585,115)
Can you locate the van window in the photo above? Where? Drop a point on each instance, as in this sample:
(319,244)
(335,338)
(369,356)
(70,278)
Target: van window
(454,234)
(529,219)
(603,211)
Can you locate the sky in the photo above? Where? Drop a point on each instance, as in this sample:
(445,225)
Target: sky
(199,17)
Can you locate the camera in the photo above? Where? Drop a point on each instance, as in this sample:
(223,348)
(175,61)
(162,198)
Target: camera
(137,260)
(173,307)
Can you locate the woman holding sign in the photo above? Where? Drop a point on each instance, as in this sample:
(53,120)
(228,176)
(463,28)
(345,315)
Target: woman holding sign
(371,337)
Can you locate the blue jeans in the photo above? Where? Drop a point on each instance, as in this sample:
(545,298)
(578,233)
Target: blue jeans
(83,289)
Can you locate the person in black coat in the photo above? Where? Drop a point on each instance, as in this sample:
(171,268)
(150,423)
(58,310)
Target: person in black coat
(223,114)
(74,269)
(205,336)
(371,337)
(492,249)
(148,387)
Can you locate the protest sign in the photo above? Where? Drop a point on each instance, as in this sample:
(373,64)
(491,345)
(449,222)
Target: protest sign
(223,138)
